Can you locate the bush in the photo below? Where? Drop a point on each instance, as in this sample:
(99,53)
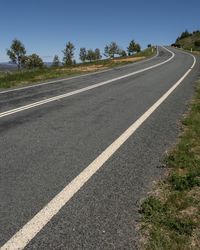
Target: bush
(151,206)
(181,183)
(197,43)
(33,61)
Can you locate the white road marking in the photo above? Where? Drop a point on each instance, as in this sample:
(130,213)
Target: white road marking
(58,97)
(35,225)
(71,78)
(54,81)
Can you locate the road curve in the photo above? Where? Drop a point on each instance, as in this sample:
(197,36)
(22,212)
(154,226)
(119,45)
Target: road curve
(44,148)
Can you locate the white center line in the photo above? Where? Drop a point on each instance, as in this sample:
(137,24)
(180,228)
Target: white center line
(75,92)
(36,224)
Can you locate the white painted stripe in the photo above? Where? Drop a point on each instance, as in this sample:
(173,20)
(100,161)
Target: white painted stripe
(54,81)
(35,225)
(55,98)
(74,77)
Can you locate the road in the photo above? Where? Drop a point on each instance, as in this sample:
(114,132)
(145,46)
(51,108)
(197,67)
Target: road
(71,174)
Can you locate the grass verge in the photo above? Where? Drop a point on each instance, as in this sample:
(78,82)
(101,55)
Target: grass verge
(25,77)
(171,214)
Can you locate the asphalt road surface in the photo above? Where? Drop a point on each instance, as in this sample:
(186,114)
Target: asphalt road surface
(70,176)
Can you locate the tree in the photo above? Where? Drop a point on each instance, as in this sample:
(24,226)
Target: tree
(91,56)
(68,54)
(184,34)
(83,54)
(111,50)
(196,32)
(33,61)
(56,61)
(177,39)
(149,45)
(97,54)
(137,47)
(16,53)
(133,47)
(123,53)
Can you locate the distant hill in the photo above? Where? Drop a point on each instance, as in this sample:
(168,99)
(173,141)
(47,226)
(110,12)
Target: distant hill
(10,66)
(189,40)
(7,66)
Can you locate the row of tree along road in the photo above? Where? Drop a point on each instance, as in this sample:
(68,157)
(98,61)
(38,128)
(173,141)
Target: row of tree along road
(18,56)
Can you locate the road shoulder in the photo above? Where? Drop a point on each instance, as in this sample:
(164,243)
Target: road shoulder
(171,213)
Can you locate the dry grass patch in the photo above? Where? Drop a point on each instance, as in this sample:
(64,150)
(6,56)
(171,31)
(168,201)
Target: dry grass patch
(129,59)
(90,68)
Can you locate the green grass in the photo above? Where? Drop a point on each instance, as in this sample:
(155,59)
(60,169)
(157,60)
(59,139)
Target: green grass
(171,214)
(10,79)
(25,77)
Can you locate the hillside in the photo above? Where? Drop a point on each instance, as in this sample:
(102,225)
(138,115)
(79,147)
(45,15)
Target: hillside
(189,40)
(7,67)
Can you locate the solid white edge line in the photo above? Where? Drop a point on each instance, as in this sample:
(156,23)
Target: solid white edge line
(36,224)
(75,77)
(55,98)
(53,81)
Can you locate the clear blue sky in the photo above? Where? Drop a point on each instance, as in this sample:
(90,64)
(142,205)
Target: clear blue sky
(44,26)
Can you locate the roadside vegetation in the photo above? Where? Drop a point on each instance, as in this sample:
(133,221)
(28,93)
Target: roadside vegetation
(171,213)
(32,69)
(188,41)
